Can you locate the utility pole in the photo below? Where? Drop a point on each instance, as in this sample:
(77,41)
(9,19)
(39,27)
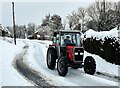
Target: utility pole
(14,23)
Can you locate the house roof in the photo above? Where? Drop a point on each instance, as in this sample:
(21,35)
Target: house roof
(4,29)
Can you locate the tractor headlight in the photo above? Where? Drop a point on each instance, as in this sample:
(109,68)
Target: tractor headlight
(81,53)
(76,53)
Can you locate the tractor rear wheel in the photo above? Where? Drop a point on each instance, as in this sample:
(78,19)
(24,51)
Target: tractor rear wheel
(89,65)
(62,67)
(51,59)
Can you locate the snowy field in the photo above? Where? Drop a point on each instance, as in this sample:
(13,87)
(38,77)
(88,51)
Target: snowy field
(35,58)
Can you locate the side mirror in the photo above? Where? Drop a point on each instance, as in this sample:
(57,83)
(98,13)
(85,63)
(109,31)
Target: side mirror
(54,34)
(118,27)
(52,39)
(57,38)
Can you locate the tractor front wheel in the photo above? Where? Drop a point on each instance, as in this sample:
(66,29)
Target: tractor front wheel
(89,65)
(62,67)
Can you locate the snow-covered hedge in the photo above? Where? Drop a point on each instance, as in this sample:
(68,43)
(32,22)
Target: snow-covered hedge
(104,44)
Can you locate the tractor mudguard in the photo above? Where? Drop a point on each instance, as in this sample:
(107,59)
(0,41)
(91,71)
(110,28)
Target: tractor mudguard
(52,46)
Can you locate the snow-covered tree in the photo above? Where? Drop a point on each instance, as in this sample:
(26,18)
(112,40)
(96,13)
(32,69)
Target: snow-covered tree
(53,21)
(46,20)
(49,24)
(30,28)
(56,21)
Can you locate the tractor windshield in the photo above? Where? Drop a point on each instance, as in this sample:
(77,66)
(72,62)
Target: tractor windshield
(70,38)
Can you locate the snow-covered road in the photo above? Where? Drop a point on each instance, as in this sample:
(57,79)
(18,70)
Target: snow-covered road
(32,58)
(36,59)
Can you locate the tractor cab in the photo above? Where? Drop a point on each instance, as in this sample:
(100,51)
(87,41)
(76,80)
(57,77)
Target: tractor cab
(64,38)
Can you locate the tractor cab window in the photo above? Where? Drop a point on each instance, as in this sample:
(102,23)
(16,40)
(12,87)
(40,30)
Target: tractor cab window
(56,39)
(70,38)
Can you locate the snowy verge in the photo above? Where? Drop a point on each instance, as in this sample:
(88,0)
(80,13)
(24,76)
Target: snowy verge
(10,77)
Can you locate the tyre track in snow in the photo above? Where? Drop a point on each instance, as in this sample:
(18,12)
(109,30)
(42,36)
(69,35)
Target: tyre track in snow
(27,72)
(108,76)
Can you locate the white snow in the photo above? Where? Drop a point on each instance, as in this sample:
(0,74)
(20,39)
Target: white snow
(101,35)
(8,74)
(36,58)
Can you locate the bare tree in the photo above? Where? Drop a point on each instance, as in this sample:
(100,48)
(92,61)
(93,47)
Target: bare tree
(70,22)
(73,19)
(64,23)
(97,12)
(94,12)
(81,13)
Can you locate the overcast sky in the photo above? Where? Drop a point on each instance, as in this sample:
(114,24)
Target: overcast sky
(26,12)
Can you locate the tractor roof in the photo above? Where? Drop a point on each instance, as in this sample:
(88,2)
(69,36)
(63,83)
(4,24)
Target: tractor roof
(69,31)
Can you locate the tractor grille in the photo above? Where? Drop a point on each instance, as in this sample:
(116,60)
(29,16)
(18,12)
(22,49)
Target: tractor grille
(78,54)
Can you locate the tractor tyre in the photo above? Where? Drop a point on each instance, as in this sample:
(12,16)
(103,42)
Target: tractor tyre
(62,66)
(51,59)
(89,65)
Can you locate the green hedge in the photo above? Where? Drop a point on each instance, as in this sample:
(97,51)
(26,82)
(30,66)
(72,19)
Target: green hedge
(109,49)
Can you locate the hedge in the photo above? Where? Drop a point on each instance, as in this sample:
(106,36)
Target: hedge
(108,49)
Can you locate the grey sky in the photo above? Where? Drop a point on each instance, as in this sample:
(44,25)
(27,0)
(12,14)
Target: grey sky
(34,10)
(26,12)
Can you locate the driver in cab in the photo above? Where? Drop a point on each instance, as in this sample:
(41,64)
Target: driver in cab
(66,41)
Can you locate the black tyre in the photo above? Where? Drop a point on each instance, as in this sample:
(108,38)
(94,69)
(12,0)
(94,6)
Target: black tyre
(62,67)
(89,65)
(51,59)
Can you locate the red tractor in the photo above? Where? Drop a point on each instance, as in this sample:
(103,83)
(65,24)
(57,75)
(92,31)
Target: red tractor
(67,51)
